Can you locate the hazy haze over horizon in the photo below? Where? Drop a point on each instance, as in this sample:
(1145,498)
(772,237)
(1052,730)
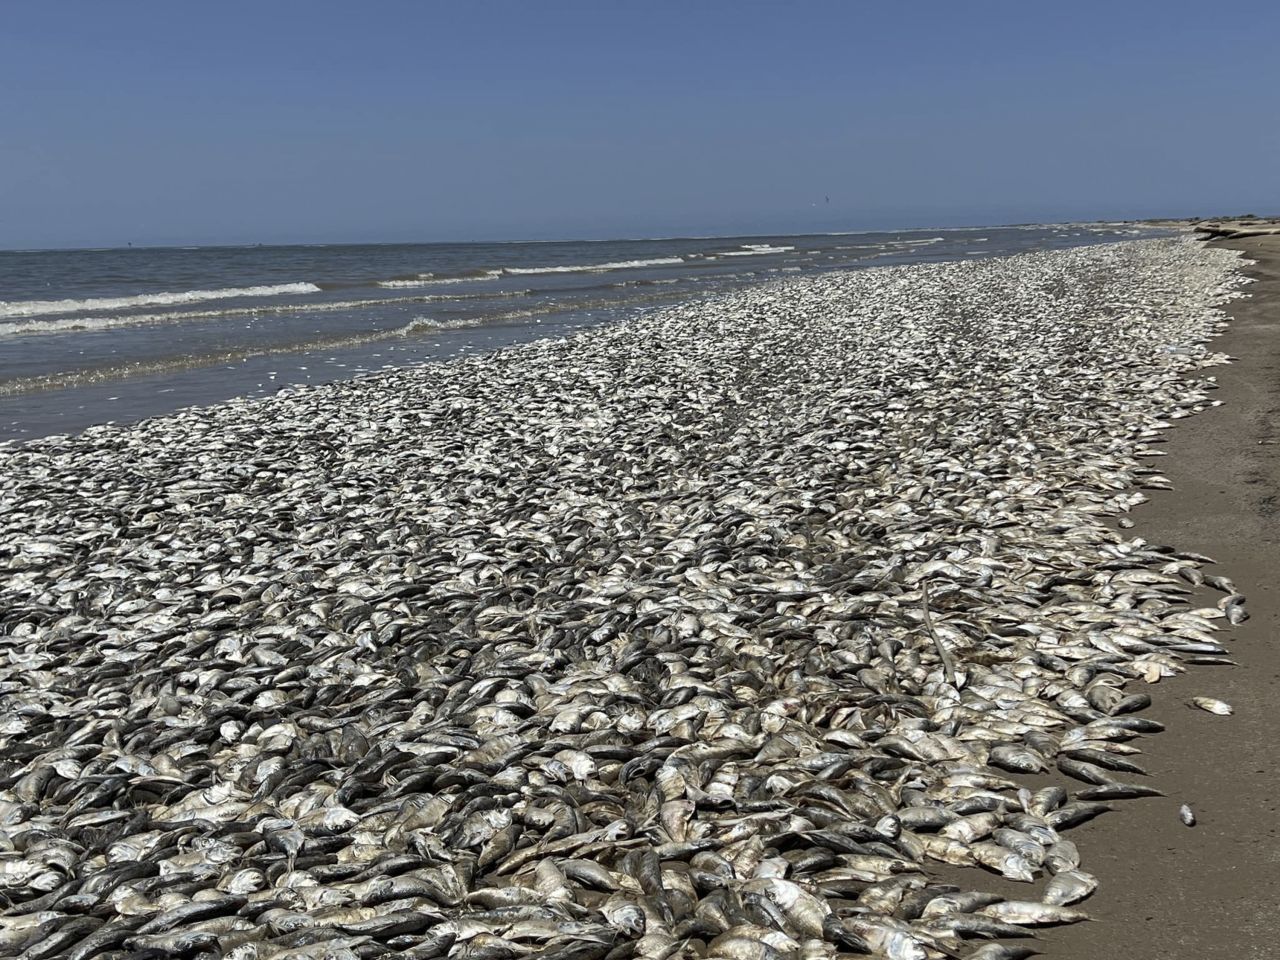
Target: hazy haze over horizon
(294,122)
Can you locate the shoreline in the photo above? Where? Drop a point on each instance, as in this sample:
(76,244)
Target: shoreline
(624,591)
(211,328)
(1209,892)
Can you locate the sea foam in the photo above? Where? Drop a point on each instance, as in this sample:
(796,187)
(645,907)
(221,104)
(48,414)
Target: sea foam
(596,267)
(754,250)
(431,280)
(36,308)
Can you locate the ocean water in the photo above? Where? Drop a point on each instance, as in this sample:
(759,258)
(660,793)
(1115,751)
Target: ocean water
(91,336)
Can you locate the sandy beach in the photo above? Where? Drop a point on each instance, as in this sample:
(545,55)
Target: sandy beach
(822,617)
(1210,892)
(588,481)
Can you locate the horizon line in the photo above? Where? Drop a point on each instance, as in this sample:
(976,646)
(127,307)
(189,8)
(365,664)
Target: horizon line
(710,236)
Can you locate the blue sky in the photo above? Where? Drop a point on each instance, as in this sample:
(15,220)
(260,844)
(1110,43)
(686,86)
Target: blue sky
(152,122)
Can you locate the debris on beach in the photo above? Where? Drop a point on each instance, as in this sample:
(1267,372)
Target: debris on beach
(713,633)
(1234,607)
(1211,705)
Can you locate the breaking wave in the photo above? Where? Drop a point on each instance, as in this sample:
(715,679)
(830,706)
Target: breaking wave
(56,325)
(431,279)
(595,267)
(754,250)
(36,308)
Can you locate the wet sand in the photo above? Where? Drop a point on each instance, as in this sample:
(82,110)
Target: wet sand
(1212,891)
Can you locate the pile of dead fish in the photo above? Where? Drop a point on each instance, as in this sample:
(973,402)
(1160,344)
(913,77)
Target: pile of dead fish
(716,633)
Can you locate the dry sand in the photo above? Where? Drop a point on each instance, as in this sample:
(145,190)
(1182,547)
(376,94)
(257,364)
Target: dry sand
(1212,891)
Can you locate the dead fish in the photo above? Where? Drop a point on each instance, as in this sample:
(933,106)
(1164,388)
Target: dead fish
(702,633)
(1002,951)
(1234,607)
(1062,856)
(1082,770)
(1117,791)
(1075,813)
(1069,886)
(1210,705)
(1028,913)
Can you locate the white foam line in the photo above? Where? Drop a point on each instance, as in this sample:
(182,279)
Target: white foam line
(35,308)
(596,267)
(754,250)
(56,325)
(426,280)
